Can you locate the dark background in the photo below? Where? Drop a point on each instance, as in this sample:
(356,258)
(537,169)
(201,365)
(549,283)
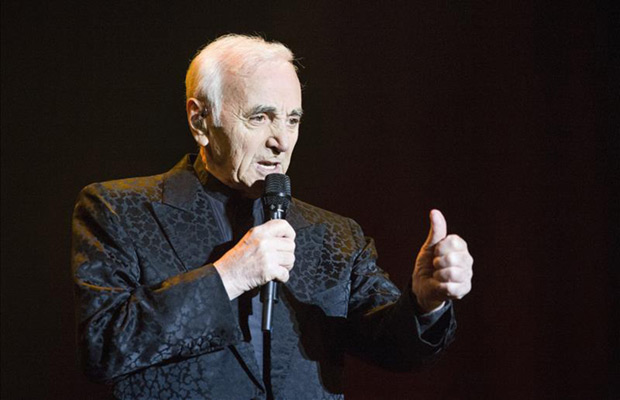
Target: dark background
(504,115)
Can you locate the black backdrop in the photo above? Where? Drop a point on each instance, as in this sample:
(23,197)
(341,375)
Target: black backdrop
(504,115)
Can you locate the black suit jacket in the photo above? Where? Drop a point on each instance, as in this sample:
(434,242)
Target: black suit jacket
(155,320)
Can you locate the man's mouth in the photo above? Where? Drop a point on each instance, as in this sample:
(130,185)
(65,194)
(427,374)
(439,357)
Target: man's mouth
(269,166)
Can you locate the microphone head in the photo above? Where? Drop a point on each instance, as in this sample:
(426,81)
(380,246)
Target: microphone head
(277,191)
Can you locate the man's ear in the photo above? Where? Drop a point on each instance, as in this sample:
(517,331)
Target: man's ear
(197,119)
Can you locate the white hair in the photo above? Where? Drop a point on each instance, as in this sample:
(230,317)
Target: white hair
(228,56)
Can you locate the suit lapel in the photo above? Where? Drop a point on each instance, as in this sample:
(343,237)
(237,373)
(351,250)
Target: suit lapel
(314,279)
(189,224)
(186,218)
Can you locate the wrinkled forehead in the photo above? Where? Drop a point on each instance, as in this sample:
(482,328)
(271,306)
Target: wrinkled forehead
(273,82)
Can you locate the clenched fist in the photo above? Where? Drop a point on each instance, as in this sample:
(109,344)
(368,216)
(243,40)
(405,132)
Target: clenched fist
(443,269)
(265,253)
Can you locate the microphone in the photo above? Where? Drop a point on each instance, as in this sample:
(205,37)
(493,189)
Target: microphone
(276,199)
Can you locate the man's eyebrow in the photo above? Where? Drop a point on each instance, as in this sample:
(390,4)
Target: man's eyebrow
(298,112)
(260,109)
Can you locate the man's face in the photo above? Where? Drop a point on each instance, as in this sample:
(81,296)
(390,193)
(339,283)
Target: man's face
(259,128)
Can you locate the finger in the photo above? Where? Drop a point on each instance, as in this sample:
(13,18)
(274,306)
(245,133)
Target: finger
(438,230)
(282,275)
(450,243)
(279,228)
(453,259)
(451,290)
(453,274)
(284,245)
(287,260)
(458,290)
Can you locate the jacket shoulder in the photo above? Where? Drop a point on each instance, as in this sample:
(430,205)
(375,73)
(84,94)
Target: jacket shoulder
(315,215)
(134,191)
(334,222)
(129,191)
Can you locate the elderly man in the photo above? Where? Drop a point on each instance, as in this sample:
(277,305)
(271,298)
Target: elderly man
(167,267)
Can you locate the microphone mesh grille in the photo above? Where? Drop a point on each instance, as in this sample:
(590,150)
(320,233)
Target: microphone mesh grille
(277,183)
(277,191)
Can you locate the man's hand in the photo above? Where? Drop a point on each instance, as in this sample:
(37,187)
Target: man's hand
(443,269)
(265,253)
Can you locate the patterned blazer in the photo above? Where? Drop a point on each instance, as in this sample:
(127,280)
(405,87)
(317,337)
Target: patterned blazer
(156,322)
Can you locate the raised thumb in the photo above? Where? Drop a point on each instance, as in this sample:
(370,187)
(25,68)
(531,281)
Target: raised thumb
(439,228)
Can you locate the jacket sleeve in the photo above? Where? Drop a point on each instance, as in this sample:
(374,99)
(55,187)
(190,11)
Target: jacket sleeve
(123,325)
(385,326)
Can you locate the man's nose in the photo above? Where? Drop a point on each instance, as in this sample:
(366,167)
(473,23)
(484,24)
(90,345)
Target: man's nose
(279,140)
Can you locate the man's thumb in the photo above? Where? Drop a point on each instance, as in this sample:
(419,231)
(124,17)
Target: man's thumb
(439,228)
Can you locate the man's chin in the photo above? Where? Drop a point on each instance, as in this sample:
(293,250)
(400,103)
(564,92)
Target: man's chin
(255,191)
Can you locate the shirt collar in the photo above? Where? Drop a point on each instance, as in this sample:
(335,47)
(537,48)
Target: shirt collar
(215,188)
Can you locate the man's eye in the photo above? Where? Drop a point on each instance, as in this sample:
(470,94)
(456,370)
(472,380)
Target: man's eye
(294,121)
(258,118)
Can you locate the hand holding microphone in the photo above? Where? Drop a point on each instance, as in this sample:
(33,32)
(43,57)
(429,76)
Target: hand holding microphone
(265,253)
